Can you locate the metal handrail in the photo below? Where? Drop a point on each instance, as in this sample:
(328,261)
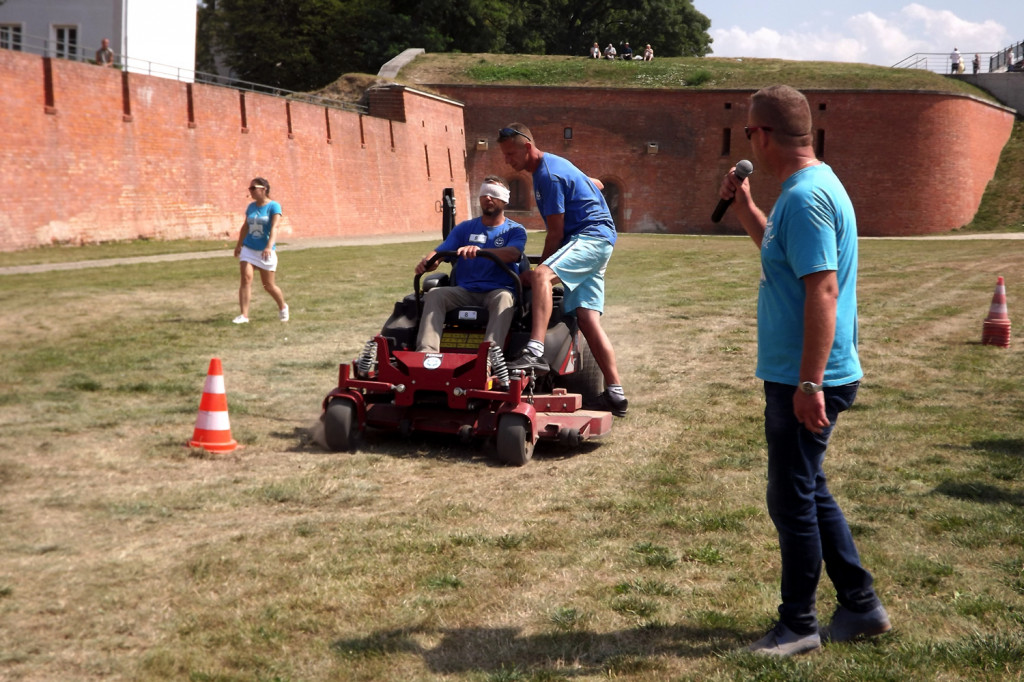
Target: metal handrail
(45,48)
(939,61)
(1006,57)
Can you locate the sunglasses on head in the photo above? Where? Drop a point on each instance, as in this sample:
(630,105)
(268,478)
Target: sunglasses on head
(506,133)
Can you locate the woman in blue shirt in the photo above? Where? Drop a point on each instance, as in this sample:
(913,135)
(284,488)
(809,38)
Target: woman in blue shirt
(257,248)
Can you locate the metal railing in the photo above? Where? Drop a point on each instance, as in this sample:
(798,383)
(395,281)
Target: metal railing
(48,48)
(939,62)
(990,62)
(1004,59)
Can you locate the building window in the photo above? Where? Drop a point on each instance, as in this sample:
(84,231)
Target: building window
(10,37)
(517,195)
(65,39)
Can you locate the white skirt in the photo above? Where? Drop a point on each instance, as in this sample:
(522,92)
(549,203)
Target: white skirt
(255,257)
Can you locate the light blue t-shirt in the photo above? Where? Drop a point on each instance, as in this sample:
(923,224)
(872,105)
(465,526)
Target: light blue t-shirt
(560,187)
(258,218)
(482,274)
(811,228)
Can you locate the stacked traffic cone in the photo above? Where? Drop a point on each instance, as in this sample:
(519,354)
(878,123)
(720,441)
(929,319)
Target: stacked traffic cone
(213,429)
(996,330)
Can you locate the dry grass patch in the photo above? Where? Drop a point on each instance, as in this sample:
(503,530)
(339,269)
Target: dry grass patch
(648,556)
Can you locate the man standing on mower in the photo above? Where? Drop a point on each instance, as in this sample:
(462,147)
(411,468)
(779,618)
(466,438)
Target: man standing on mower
(478,281)
(580,237)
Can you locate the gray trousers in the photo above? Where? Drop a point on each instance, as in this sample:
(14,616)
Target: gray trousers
(439,300)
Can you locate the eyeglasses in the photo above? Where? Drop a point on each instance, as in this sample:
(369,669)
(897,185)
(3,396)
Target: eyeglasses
(506,133)
(749,130)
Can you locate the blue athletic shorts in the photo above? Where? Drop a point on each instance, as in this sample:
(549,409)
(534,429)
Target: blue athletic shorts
(580,265)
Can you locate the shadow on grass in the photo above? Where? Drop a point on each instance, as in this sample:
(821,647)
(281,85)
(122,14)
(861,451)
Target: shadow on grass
(979,492)
(1007,447)
(491,650)
(436,446)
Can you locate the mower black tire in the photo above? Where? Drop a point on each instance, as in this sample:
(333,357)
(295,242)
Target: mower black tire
(514,442)
(338,419)
(587,380)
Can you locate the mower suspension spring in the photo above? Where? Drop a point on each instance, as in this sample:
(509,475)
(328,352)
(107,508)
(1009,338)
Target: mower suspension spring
(366,363)
(498,367)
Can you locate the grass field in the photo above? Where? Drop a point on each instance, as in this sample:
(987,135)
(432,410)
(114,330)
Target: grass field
(125,555)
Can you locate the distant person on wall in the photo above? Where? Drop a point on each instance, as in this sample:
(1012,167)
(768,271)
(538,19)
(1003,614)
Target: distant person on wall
(807,358)
(627,52)
(610,52)
(257,248)
(595,51)
(648,53)
(960,65)
(976,64)
(104,55)
(478,280)
(954,60)
(580,237)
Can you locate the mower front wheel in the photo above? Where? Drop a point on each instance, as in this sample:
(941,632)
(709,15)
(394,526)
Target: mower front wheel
(338,425)
(514,440)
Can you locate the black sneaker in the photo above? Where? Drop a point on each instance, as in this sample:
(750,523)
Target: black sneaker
(609,402)
(526,362)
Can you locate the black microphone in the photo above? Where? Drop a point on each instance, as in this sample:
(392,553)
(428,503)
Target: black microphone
(743,169)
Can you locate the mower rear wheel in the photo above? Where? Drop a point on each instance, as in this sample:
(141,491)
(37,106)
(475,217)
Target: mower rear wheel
(514,440)
(338,425)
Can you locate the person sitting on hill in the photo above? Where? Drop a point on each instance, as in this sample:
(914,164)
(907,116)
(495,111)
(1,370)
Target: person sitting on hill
(609,52)
(595,51)
(627,52)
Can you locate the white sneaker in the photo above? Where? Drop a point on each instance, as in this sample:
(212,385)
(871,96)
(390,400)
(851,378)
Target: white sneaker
(241,319)
(282,314)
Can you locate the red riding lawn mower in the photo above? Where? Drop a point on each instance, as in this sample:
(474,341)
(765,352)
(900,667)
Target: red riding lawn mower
(466,389)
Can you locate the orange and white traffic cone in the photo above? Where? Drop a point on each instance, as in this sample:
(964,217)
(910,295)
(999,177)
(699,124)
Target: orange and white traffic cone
(996,329)
(213,428)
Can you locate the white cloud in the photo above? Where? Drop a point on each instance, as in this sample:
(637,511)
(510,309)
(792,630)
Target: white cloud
(865,37)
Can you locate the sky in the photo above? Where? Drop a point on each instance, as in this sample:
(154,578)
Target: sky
(868,31)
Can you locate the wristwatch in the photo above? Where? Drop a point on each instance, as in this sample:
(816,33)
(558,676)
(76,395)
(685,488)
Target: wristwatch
(810,388)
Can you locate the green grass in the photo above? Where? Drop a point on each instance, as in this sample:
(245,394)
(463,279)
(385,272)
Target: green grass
(672,72)
(65,253)
(646,557)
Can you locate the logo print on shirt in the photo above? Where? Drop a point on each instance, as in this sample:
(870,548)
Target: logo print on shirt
(499,241)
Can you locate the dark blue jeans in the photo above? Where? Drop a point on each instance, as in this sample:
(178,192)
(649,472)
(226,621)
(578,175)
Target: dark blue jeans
(811,526)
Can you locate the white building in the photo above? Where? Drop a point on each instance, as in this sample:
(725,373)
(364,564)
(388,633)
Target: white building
(147,36)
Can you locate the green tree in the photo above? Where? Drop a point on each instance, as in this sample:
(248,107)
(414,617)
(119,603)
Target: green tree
(307,44)
(673,27)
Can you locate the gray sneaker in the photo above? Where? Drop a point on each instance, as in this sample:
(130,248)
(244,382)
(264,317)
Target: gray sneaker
(848,625)
(781,641)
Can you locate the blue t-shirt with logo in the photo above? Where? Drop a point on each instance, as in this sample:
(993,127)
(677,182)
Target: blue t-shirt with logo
(812,228)
(258,219)
(481,274)
(560,187)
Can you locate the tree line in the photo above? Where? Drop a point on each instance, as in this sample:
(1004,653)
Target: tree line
(306,44)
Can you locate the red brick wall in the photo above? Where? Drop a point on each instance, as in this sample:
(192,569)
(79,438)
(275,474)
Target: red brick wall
(85,172)
(913,163)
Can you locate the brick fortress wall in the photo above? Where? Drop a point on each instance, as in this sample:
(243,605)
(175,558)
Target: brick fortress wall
(89,154)
(913,162)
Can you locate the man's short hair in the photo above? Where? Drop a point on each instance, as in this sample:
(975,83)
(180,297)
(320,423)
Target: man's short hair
(522,134)
(785,110)
(497,180)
